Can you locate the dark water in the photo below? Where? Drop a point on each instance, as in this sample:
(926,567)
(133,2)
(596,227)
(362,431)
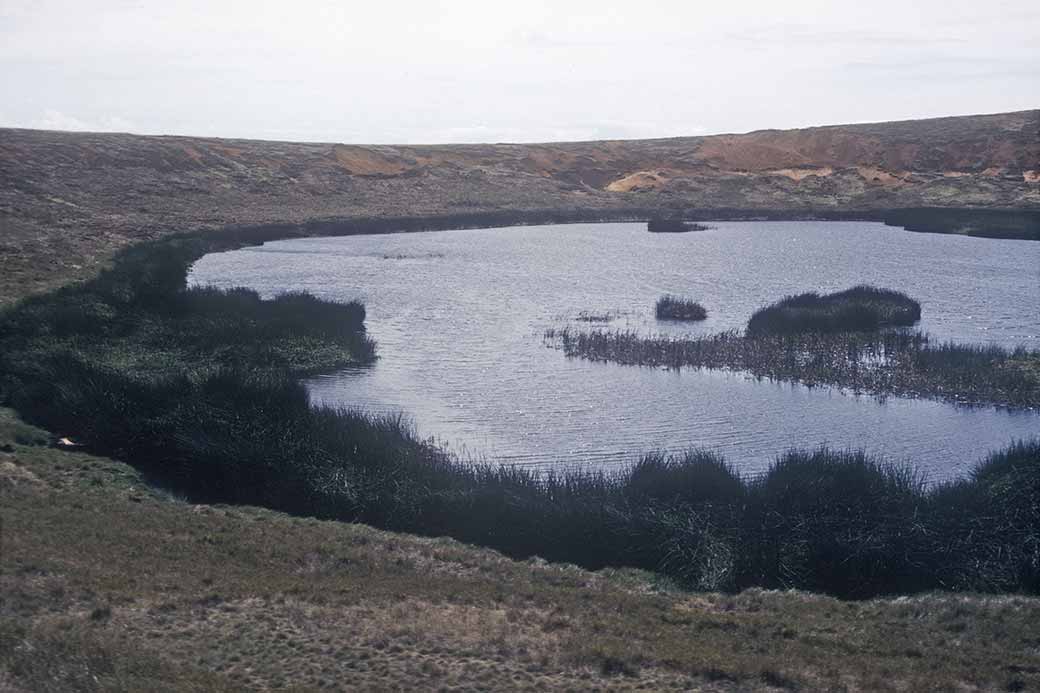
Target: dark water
(459,317)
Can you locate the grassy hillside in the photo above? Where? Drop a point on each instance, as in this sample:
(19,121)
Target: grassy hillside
(68,201)
(111,585)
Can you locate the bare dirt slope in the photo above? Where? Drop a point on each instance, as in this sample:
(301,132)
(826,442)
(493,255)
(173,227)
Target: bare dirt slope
(67,200)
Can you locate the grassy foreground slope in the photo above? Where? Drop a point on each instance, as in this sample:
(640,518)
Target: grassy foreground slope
(108,584)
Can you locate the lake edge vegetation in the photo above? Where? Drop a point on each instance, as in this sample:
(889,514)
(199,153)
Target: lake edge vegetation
(238,428)
(1006,224)
(112,584)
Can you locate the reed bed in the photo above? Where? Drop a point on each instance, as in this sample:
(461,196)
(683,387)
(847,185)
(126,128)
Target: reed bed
(659,225)
(880,363)
(671,307)
(859,308)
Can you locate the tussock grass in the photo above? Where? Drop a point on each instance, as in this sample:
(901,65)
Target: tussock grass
(678,308)
(859,308)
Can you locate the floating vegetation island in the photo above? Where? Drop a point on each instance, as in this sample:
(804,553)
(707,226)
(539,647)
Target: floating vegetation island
(589,316)
(678,308)
(837,340)
(674,226)
(861,308)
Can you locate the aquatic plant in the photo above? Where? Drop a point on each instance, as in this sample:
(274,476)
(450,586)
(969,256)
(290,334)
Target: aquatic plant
(669,225)
(587,316)
(859,308)
(878,363)
(677,308)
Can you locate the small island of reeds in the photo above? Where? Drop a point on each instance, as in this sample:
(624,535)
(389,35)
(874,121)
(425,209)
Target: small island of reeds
(674,226)
(678,308)
(861,308)
(834,340)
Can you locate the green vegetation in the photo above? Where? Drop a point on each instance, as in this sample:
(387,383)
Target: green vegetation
(660,225)
(677,308)
(857,309)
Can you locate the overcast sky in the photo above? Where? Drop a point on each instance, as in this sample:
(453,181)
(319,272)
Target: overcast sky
(487,71)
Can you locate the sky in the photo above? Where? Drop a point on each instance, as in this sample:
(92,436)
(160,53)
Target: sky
(390,71)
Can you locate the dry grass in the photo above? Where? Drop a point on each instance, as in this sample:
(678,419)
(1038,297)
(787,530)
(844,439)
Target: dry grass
(109,584)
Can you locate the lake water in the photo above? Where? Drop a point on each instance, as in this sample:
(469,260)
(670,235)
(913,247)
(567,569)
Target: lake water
(459,318)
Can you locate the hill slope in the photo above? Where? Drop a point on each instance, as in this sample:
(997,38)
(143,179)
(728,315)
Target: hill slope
(110,585)
(67,200)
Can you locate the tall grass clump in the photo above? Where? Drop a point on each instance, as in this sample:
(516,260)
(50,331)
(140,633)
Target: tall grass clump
(677,308)
(989,523)
(694,478)
(860,308)
(841,522)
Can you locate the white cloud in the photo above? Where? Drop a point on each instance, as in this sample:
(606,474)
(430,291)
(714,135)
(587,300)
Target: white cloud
(538,70)
(53,119)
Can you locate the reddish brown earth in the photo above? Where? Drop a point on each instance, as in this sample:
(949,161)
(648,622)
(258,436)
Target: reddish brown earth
(68,200)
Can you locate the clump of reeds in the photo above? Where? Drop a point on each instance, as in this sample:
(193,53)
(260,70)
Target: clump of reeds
(677,308)
(879,363)
(588,316)
(860,308)
(661,225)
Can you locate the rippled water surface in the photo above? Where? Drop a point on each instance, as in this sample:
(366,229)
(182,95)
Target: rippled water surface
(459,317)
